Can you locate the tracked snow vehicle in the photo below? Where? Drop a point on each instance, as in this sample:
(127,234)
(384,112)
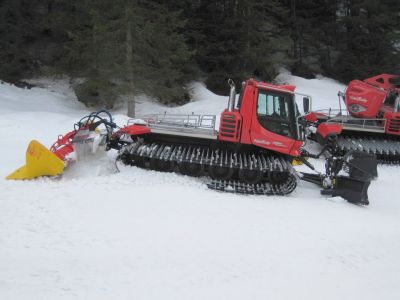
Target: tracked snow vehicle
(371,120)
(251,153)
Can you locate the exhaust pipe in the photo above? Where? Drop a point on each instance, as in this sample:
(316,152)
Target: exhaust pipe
(232,95)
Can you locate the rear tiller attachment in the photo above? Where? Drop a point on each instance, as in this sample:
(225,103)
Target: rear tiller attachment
(347,176)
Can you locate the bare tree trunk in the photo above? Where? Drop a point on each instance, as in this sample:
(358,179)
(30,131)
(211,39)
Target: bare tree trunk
(298,42)
(129,61)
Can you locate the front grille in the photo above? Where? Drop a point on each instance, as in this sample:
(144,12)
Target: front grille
(394,124)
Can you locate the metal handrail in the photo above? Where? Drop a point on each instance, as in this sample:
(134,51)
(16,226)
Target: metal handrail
(360,123)
(330,111)
(177,121)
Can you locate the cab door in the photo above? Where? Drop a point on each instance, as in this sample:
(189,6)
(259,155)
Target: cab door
(274,121)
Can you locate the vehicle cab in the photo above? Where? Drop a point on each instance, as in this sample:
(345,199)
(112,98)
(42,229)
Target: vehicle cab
(266,116)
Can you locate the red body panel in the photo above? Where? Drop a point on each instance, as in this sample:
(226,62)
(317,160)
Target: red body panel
(366,98)
(275,142)
(282,88)
(392,125)
(384,81)
(63,146)
(325,129)
(246,111)
(312,117)
(134,130)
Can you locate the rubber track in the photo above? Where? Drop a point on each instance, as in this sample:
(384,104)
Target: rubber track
(264,188)
(222,158)
(387,151)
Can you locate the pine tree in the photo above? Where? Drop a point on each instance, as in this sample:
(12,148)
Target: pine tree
(163,52)
(19,26)
(156,47)
(127,47)
(239,39)
(313,32)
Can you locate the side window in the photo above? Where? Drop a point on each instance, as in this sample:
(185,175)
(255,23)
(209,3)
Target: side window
(262,105)
(272,105)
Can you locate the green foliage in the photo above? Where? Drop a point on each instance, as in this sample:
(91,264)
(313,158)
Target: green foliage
(19,27)
(162,56)
(97,92)
(345,39)
(98,48)
(238,39)
(370,42)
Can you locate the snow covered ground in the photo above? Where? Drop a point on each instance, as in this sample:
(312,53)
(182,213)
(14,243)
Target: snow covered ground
(98,234)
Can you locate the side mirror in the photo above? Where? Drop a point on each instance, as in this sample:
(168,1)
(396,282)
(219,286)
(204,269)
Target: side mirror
(306,105)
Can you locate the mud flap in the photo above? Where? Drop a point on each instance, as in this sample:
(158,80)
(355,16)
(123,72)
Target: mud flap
(353,190)
(39,162)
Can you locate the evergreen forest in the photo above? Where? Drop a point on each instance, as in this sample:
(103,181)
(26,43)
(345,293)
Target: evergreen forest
(127,47)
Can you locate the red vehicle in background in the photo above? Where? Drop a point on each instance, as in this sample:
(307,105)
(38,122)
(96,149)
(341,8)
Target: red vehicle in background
(371,120)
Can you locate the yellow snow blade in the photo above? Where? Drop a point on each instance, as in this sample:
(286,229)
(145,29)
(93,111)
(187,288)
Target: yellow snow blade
(39,162)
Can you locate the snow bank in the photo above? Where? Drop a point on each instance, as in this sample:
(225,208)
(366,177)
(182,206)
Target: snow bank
(324,91)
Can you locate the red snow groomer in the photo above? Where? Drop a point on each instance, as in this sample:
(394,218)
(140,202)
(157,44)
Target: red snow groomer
(371,119)
(252,152)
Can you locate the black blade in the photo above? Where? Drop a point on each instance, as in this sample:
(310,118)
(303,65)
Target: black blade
(353,190)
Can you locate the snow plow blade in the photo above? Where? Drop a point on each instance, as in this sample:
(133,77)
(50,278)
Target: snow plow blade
(360,167)
(353,190)
(39,162)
